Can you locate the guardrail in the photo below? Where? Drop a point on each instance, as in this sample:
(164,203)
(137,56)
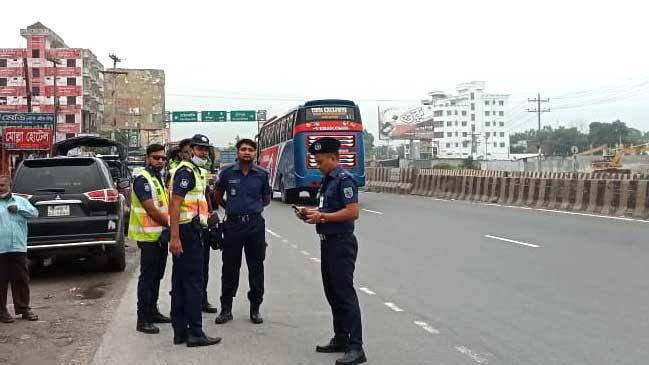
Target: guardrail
(608,194)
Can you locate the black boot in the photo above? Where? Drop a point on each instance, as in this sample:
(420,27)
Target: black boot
(5,317)
(147,327)
(255,317)
(352,357)
(225,316)
(202,341)
(209,308)
(336,344)
(157,317)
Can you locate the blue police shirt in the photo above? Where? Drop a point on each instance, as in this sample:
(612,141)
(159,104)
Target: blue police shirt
(244,194)
(142,188)
(337,190)
(184,181)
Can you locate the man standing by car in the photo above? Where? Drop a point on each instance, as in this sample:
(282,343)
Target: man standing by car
(148,224)
(188,216)
(14,212)
(247,189)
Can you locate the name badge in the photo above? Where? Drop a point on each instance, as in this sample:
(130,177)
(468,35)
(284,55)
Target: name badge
(233,191)
(321,205)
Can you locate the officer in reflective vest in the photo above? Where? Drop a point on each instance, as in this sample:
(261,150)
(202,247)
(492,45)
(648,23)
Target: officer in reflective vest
(188,216)
(148,219)
(334,219)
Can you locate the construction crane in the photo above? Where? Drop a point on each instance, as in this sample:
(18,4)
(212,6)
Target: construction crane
(613,163)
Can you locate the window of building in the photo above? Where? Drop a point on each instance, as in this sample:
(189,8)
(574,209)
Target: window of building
(449,134)
(69,118)
(456,123)
(465,134)
(464,113)
(473,117)
(36,53)
(502,134)
(438,113)
(3,100)
(501,102)
(501,113)
(495,144)
(448,112)
(3,62)
(71,62)
(502,145)
(502,124)
(438,135)
(3,82)
(448,145)
(465,144)
(72,100)
(457,134)
(456,112)
(472,96)
(472,127)
(486,102)
(472,106)
(457,145)
(487,134)
(36,72)
(36,91)
(72,81)
(487,124)
(449,124)
(486,113)
(464,124)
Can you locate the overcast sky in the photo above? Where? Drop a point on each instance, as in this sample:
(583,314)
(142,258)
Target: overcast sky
(274,54)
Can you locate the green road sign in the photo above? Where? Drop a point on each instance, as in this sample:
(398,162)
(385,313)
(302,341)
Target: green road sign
(214,116)
(184,117)
(243,115)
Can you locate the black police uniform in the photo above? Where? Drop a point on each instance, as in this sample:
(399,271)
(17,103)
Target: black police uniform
(153,259)
(187,273)
(244,228)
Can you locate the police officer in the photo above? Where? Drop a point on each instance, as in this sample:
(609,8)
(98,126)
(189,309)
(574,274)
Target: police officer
(148,220)
(334,219)
(188,216)
(246,187)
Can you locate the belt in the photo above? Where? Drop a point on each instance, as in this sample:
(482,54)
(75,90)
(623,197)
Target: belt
(330,236)
(243,218)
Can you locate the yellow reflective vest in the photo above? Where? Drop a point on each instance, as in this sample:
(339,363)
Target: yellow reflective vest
(194,203)
(141,226)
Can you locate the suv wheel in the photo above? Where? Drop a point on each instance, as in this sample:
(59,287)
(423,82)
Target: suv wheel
(117,256)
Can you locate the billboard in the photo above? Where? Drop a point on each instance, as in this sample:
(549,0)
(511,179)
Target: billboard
(27,138)
(405,123)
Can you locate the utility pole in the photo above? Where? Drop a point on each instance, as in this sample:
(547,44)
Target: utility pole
(28,87)
(114,72)
(538,111)
(56,62)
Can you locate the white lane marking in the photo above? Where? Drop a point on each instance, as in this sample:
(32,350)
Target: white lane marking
(426,327)
(285,241)
(367,291)
(594,215)
(305,253)
(477,357)
(511,241)
(372,211)
(273,233)
(393,307)
(294,246)
(315,259)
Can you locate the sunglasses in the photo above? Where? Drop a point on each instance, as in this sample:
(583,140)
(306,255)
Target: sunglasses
(159,158)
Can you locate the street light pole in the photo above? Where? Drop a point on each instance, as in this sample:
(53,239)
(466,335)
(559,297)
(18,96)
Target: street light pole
(56,62)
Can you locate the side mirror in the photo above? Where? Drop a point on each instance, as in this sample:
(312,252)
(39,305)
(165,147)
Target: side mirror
(123,183)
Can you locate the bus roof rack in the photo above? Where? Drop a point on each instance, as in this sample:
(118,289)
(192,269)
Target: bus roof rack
(329,102)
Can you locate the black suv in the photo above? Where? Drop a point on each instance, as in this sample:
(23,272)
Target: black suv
(81,212)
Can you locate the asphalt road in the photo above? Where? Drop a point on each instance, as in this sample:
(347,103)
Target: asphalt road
(440,282)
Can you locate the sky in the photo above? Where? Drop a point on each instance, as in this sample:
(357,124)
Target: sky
(589,57)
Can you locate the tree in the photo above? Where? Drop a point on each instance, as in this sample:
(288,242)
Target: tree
(384,152)
(368,143)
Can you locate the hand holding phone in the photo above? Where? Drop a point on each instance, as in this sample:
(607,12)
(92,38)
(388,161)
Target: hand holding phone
(298,212)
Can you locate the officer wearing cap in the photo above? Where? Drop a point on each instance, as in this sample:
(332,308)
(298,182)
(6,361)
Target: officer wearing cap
(247,189)
(187,216)
(334,219)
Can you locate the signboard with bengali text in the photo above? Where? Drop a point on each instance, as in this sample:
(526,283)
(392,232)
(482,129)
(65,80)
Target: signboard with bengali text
(27,138)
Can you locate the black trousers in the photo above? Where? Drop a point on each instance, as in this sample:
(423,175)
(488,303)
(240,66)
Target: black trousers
(338,263)
(153,262)
(206,270)
(249,236)
(13,270)
(187,284)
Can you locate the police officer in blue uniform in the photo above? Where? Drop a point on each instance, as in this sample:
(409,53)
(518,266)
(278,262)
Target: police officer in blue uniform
(334,219)
(247,190)
(187,215)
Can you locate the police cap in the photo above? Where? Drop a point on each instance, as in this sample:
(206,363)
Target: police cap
(199,140)
(324,145)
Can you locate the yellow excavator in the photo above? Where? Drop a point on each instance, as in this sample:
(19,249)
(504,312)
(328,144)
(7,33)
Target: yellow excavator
(613,163)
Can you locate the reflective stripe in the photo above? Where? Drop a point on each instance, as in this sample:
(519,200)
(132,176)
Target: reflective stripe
(194,202)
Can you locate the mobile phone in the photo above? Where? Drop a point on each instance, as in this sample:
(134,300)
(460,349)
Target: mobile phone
(298,212)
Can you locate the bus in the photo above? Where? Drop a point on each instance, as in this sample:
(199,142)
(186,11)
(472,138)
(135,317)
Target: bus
(284,142)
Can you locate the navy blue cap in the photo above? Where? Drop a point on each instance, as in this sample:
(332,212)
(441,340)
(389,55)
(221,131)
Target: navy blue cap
(199,140)
(324,145)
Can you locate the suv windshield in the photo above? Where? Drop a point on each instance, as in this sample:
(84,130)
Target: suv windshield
(75,176)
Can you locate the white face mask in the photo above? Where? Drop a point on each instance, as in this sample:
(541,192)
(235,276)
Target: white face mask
(200,162)
(2,196)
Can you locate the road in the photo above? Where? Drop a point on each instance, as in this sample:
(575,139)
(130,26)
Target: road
(440,282)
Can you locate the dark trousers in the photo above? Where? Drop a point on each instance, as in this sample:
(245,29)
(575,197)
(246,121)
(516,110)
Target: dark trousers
(206,270)
(249,236)
(153,262)
(13,270)
(338,263)
(187,284)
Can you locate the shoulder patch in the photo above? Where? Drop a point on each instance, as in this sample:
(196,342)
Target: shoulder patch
(349,192)
(184,183)
(147,187)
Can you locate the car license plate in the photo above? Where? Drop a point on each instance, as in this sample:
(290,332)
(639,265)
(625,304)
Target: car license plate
(58,210)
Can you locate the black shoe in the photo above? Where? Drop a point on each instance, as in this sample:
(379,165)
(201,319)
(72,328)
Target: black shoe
(158,317)
(224,317)
(6,318)
(334,345)
(255,317)
(352,357)
(208,308)
(29,315)
(179,340)
(147,327)
(202,341)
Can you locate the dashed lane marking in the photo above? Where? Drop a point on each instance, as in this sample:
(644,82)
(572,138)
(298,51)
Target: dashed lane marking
(273,233)
(512,241)
(285,241)
(426,327)
(477,357)
(367,291)
(372,211)
(315,259)
(393,307)
(305,253)
(294,246)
